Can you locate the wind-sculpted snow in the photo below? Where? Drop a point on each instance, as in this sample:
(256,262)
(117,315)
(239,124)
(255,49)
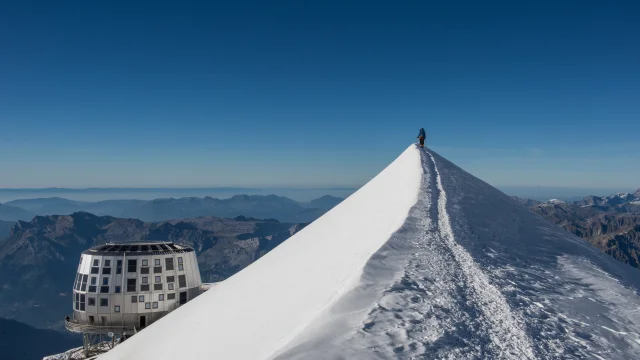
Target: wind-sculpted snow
(259,310)
(467,274)
(472,275)
(536,266)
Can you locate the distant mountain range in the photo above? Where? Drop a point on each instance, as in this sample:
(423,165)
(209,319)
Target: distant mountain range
(39,259)
(19,341)
(611,223)
(256,206)
(13,213)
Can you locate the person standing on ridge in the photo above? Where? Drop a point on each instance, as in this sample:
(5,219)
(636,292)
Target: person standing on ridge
(422,135)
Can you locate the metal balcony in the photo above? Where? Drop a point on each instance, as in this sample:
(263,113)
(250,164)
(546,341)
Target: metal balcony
(74,326)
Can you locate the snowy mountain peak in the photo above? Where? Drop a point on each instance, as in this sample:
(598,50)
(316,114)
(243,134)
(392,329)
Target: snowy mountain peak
(556,201)
(424,261)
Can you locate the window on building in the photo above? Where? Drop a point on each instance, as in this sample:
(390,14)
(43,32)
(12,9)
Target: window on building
(95,270)
(171,296)
(94,280)
(145,280)
(144,270)
(168,262)
(157,269)
(180,260)
(84,282)
(147,305)
(131,265)
(76,284)
(157,286)
(91,319)
(134,299)
(118,266)
(144,287)
(170,286)
(157,262)
(91,301)
(104,289)
(160,297)
(82,302)
(77,307)
(141,298)
(106,271)
(93,288)
(180,267)
(145,262)
(171,279)
(105,281)
(96,262)
(155,304)
(104,301)
(107,263)
(118,290)
(131,285)
(158,279)
(182,281)
(116,308)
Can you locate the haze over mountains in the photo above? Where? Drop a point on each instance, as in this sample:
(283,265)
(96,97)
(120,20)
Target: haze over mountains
(257,206)
(5,229)
(12,213)
(123,193)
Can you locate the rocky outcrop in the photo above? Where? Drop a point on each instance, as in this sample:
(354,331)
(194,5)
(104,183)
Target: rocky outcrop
(611,223)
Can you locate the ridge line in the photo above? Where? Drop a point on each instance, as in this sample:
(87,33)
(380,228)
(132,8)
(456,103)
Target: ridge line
(506,330)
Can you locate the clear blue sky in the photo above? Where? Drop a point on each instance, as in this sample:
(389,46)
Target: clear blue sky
(317,93)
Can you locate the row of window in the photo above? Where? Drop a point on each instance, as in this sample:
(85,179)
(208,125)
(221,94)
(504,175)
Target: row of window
(104,302)
(140,298)
(132,265)
(145,262)
(81,283)
(144,286)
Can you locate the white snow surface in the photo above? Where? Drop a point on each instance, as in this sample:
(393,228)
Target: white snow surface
(259,310)
(424,262)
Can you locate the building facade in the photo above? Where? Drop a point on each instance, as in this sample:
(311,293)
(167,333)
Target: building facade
(132,285)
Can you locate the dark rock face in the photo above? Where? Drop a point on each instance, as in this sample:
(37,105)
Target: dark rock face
(611,223)
(39,259)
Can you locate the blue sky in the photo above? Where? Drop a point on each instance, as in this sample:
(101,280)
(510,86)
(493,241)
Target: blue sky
(317,93)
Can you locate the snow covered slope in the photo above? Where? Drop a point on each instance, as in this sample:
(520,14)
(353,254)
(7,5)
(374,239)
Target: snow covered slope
(425,261)
(259,310)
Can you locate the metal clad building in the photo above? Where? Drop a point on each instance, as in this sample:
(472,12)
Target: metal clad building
(122,288)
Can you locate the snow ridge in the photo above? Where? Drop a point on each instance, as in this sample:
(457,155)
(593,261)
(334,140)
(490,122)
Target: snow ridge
(506,330)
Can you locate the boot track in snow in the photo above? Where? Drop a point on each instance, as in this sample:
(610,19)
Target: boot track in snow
(496,321)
